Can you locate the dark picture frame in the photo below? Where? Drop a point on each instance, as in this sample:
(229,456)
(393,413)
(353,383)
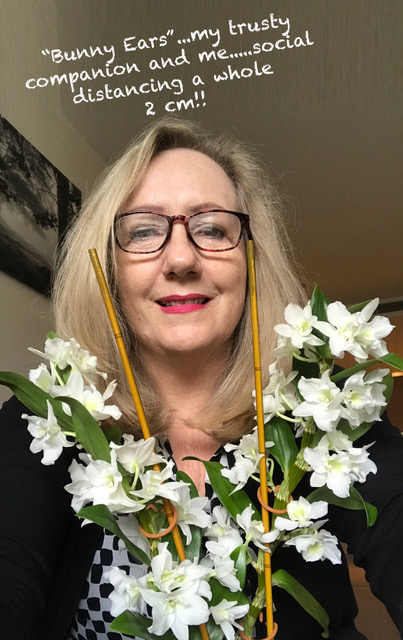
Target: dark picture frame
(37,203)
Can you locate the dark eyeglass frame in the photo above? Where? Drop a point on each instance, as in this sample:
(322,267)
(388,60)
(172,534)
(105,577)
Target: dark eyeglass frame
(242,217)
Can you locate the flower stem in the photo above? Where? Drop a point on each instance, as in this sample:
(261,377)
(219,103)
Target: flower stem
(259,600)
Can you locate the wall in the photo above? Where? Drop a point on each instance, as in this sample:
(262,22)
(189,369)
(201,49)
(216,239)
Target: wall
(25,315)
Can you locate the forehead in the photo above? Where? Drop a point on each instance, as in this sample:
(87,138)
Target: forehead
(184,176)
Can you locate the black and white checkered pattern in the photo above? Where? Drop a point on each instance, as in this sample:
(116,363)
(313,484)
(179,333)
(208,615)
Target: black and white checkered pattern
(93,616)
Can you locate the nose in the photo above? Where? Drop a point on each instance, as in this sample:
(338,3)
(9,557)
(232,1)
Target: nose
(180,256)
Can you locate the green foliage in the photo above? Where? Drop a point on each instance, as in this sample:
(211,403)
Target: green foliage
(235,503)
(35,398)
(88,430)
(319,304)
(355,502)
(136,625)
(354,308)
(285,448)
(392,359)
(240,558)
(284,580)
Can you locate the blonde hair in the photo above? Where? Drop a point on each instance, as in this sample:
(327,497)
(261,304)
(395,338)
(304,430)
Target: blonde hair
(78,305)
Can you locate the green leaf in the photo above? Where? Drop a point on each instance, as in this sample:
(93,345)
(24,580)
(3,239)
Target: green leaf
(88,430)
(235,503)
(181,476)
(220,592)
(353,434)
(306,369)
(136,625)
(214,630)
(113,434)
(64,374)
(240,558)
(392,359)
(285,448)
(194,633)
(319,304)
(35,398)
(355,502)
(101,515)
(353,308)
(284,580)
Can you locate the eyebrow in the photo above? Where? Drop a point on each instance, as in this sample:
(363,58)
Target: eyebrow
(192,209)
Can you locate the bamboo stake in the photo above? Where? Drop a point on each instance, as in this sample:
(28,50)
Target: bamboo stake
(136,398)
(260,428)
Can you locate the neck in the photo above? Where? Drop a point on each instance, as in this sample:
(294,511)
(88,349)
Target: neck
(186,382)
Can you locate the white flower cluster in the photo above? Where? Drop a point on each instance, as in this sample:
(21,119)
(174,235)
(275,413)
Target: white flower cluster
(72,373)
(351,332)
(178,595)
(304,534)
(335,462)
(247,458)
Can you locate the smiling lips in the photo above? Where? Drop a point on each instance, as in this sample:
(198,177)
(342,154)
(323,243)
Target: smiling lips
(183,304)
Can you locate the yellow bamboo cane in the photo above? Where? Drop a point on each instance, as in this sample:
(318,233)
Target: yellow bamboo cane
(260,428)
(136,398)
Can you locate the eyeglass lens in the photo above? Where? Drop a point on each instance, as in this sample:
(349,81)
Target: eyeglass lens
(145,232)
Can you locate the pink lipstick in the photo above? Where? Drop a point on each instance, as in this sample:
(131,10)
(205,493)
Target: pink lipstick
(183,304)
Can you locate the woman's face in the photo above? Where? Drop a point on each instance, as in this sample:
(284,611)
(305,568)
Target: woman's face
(181,299)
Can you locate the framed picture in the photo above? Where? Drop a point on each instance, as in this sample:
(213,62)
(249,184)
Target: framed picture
(37,202)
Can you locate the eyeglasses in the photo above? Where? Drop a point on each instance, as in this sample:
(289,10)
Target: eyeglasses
(148,232)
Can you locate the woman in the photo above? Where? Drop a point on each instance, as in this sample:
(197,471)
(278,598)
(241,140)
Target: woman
(181,295)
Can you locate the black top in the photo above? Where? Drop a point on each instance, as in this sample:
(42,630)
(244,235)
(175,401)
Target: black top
(45,554)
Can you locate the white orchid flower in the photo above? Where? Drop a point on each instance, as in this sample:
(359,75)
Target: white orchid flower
(298,329)
(301,513)
(316,545)
(89,396)
(178,593)
(169,575)
(62,354)
(176,610)
(136,455)
(361,465)
(191,511)
(221,566)
(47,436)
(332,470)
(338,470)
(354,333)
(254,529)
(280,394)
(225,615)
(126,594)
(363,397)
(223,530)
(153,485)
(99,482)
(322,401)
(247,459)
(43,378)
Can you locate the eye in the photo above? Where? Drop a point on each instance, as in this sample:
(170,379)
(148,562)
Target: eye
(209,230)
(139,232)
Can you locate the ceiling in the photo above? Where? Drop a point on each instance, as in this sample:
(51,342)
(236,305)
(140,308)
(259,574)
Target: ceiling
(327,121)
